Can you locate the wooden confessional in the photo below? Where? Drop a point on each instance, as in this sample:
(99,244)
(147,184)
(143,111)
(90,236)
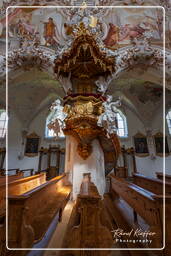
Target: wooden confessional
(52,161)
(122,171)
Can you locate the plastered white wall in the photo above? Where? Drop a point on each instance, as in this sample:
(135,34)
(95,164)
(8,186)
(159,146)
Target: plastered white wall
(15,140)
(144,165)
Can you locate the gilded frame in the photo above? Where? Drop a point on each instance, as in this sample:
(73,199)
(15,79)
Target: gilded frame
(158,143)
(32,145)
(141,145)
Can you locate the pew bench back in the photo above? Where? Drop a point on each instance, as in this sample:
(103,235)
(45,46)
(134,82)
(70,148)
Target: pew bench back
(18,187)
(32,212)
(10,178)
(144,203)
(152,184)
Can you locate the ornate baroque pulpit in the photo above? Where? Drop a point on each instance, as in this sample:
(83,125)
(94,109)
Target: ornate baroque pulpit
(92,144)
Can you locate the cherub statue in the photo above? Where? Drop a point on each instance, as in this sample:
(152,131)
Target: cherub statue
(108,119)
(56,118)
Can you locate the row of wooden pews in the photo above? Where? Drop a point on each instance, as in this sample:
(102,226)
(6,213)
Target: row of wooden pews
(15,171)
(32,212)
(33,202)
(10,177)
(143,199)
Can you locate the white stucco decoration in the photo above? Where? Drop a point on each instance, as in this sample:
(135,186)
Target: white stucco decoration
(108,118)
(57,117)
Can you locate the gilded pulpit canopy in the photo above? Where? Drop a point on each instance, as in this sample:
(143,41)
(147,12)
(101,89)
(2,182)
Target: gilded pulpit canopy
(85,70)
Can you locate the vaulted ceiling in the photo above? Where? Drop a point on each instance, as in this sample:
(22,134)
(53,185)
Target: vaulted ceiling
(32,91)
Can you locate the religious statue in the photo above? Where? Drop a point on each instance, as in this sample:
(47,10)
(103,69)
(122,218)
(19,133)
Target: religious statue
(102,84)
(50,32)
(56,118)
(66,83)
(108,119)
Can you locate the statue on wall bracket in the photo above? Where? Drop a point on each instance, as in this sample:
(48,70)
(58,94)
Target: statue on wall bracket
(56,119)
(108,119)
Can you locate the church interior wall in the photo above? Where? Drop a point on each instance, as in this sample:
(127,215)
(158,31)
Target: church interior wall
(146,165)
(15,140)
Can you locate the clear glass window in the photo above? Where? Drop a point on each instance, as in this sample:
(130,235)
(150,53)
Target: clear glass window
(122,125)
(3,123)
(168,118)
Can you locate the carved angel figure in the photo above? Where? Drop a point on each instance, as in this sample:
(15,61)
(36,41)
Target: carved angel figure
(102,84)
(108,118)
(56,118)
(66,83)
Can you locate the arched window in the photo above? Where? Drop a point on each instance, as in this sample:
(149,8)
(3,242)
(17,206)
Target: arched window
(3,123)
(122,125)
(50,134)
(168,118)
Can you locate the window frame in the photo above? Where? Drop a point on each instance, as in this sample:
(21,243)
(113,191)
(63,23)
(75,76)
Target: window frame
(5,123)
(125,125)
(168,118)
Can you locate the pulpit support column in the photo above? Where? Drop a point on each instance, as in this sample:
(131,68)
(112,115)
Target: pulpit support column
(76,166)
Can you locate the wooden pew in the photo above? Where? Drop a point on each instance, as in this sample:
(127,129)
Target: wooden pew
(30,171)
(87,227)
(144,203)
(31,213)
(10,178)
(14,171)
(18,187)
(160,176)
(2,239)
(152,184)
(121,172)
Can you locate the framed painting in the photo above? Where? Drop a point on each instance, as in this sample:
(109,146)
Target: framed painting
(141,146)
(158,141)
(32,145)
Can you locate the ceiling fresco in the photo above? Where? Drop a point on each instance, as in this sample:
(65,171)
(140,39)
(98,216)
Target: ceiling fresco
(51,28)
(38,35)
